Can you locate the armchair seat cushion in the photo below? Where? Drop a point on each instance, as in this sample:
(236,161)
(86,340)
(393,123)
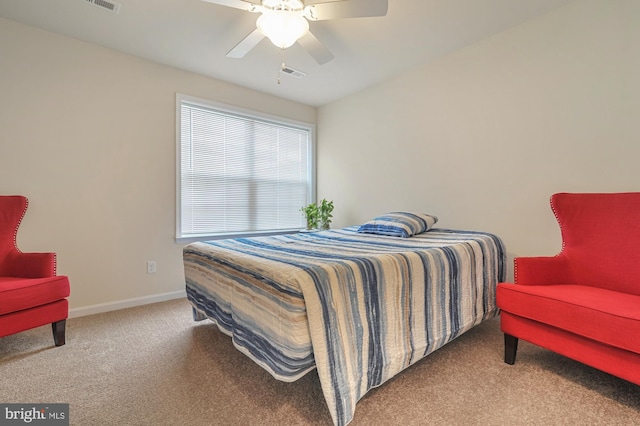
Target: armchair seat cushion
(17,294)
(599,314)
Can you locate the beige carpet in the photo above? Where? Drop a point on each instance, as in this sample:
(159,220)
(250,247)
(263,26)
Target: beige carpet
(153,365)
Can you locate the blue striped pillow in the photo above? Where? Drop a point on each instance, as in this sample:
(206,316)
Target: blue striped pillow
(399,224)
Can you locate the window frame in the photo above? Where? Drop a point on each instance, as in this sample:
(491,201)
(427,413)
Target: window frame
(246,114)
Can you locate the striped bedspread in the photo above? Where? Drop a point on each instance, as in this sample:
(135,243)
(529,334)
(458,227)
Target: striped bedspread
(358,307)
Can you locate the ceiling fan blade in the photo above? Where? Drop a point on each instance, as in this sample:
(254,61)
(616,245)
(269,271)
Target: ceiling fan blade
(346,9)
(317,50)
(248,43)
(249,6)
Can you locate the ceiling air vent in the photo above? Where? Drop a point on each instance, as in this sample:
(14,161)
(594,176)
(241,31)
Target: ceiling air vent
(292,72)
(111,6)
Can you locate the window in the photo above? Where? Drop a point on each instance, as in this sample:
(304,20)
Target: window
(240,172)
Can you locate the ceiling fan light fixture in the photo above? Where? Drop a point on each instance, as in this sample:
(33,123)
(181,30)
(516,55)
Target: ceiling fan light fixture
(282,27)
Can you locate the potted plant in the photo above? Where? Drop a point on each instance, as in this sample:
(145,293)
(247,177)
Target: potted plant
(311,215)
(325,210)
(318,216)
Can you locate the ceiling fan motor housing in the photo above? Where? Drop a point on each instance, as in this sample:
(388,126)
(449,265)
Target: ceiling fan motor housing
(293,5)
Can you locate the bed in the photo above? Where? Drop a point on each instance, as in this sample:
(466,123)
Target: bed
(359,307)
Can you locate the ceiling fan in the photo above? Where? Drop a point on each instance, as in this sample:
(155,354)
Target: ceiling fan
(286,22)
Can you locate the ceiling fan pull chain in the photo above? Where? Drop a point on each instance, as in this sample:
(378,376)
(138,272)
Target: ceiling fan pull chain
(282,58)
(280,72)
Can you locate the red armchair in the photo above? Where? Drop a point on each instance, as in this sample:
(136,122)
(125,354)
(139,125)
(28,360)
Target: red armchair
(31,294)
(583,303)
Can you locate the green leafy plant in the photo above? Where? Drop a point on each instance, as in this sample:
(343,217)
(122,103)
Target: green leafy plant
(318,216)
(325,215)
(311,214)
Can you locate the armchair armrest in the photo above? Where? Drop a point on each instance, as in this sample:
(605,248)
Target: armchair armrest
(31,265)
(542,270)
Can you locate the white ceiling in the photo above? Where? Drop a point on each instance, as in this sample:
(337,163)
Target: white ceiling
(195,36)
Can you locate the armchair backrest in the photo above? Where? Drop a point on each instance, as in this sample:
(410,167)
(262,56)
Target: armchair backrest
(601,238)
(12,210)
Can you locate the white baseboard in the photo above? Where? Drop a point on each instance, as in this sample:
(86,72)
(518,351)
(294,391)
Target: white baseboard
(123,304)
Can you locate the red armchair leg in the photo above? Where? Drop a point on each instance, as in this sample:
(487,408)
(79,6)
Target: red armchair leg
(510,348)
(58,332)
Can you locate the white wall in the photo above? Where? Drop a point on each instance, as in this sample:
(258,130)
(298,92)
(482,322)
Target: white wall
(484,136)
(88,135)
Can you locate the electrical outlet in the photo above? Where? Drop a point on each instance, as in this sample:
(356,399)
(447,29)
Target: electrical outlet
(151,267)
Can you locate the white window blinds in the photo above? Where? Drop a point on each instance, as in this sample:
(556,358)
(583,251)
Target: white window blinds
(240,174)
